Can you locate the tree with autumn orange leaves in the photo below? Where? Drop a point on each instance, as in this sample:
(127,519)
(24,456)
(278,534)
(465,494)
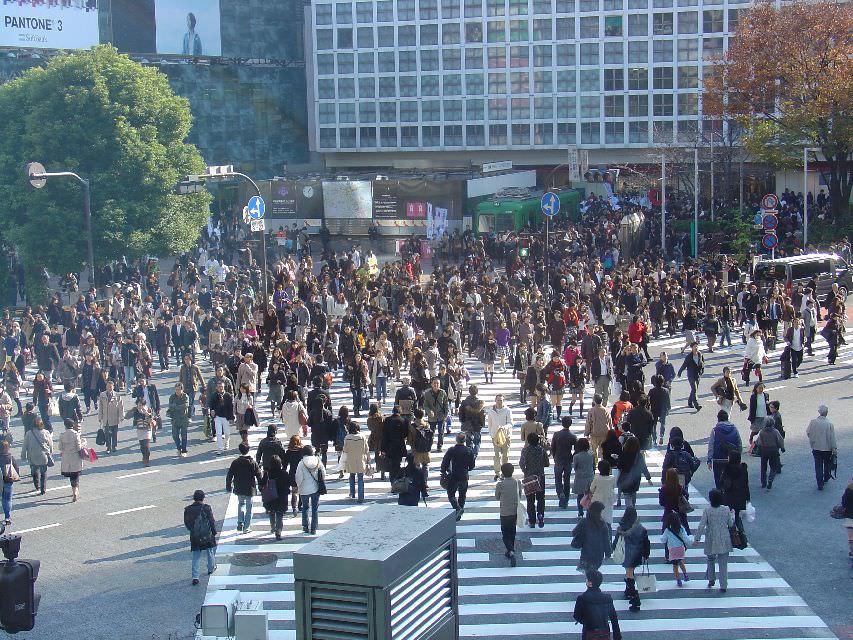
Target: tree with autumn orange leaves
(787,79)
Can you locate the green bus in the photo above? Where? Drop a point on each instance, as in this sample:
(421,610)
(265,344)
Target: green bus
(513,214)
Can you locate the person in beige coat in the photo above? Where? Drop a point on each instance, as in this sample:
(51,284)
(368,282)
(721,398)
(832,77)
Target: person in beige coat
(355,453)
(598,423)
(70,443)
(247,373)
(110,415)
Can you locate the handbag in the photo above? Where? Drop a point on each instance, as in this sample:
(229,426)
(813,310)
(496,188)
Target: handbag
(101,438)
(83,453)
(738,538)
(645,581)
(520,510)
(500,438)
(676,553)
(444,481)
(684,505)
(586,500)
(50,461)
(531,485)
(618,555)
(749,512)
(53,407)
(93,455)
(382,463)
(269,492)
(10,474)
(403,484)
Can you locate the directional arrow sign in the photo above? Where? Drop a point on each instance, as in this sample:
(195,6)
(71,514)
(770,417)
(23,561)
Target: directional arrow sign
(550,204)
(257,207)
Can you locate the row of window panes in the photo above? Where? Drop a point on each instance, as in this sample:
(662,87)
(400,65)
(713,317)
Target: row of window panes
(450,9)
(537,56)
(518,134)
(540,82)
(508,108)
(520,30)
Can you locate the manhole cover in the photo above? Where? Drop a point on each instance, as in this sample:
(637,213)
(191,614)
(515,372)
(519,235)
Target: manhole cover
(253,559)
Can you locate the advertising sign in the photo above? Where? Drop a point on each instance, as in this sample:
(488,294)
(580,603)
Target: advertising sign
(417,200)
(49,24)
(348,199)
(188,27)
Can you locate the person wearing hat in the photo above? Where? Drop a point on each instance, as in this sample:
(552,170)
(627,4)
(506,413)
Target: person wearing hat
(199,520)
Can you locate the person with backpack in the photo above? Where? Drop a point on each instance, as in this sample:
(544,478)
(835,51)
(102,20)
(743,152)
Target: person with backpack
(199,520)
(636,549)
(411,485)
(455,467)
(675,540)
(473,418)
(436,409)
(269,447)
(420,440)
(770,443)
(499,420)
(724,438)
(683,461)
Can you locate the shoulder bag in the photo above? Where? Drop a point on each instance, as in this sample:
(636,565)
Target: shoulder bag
(320,478)
(837,512)
(684,505)
(531,484)
(738,538)
(269,492)
(618,555)
(10,474)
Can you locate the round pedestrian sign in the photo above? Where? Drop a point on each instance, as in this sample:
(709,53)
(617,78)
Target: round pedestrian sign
(757,219)
(769,241)
(770,222)
(770,201)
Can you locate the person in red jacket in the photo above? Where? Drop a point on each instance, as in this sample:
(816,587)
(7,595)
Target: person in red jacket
(638,334)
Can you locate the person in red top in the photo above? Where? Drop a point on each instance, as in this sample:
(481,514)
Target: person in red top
(638,334)
(555,374)
(571,353)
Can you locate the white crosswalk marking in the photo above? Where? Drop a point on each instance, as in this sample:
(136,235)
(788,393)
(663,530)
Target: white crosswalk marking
(537,597)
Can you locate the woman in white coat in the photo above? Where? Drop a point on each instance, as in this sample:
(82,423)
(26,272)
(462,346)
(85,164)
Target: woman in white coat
(70,444)
(603,490)
(754,356)
(291,410)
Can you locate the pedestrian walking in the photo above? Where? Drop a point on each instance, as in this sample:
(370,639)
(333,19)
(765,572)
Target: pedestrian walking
(847,515)
(821,435)
(636,550)
(38,447)
(508,493)
(598,424)
(735,486)
(473,418)
(110,414)
(275,490)
(675,540)
(563,445)
(660,403)
(179,413)
(680,458)
(436,409)
(411,484)
(354,459)
(595,611)
(143,422)
(243,479)
(71,466)
(726,392)
(199,520)
(759,410)
(714,527)
(592,536)
(603,489)
(770,444)
(724,439)
(673,497)
(499,420)
(310,479)
(632,467)
(455,467)
(583,466)
(694,364)
(221,407)
(10,473)
(533,460)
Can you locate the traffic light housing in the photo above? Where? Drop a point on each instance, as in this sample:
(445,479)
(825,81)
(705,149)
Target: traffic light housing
(523,247)
(18,598)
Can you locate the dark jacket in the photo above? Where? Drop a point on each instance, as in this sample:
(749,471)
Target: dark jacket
(694,370)
(222,405)
(533,461)
(457,462)
(659,401)
(753,405)
(138,392)
(642,425)
(282,484)
(562,447)
(244,475)
(417,489)
(595,611)
(190,514)
(394,434)
(735,485)
(267,448)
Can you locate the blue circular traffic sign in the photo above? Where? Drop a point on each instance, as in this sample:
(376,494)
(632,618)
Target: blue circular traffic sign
(256,207)
(550,204)
(757,219)
(770,222)
(769,241)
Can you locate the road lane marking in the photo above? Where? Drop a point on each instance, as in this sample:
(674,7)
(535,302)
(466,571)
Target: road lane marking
(118,513)
(820,379)
(216,459)
(767,389)
(138,473)
(45,526)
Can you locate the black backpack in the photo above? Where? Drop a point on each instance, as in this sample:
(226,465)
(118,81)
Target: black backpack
(423,441)
(202,531)
(685,464)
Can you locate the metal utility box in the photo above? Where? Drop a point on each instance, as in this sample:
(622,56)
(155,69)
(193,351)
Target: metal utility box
(388,573)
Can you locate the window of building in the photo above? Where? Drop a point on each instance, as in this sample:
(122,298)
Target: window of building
(662,24)
(387,87)
(405,10)
(387,112)
(543,108)
(385,11)
(565,29)
(614,106)
(453,110)
(453,135)
(429,85)
(688,3)
(566,82)
(408,61)
(590,133)
(450,33)
(566,55)
(638,79)
(407,36)
(498,109)
(587,6)
(566,133)
(473,32)
(712,48)
(497,83)
(430,110)
(345,38)
(327,113)
(688,77)
(520,108)
(712,21)
(497,57)
(614,133)
(431,136)
(428,9)
(518,7)
(638,24)
(409,111)
(614,79)
(518,31)
(638,51)
(519,82)
(364,37)
(613,53)
(638,4)
(589,80)
(324,40)
(367,136)
(496,31)
(325,64)
(688,131)
(473,58)
(429,35)
(451,59)
(328,137)
(475,135)
(542,55)
(367,112)
(638,106)
(346,63)
(346,88)
(323,14)
(386,36)
(519,57)
(590,107)
(589,54)
(565,6)
(409,136)
(662,131)
(347,137)
(589,27)
(566,107)
(662,104)
(449,9)
(638,132)
(612,26)
(688,104)
(688,50)
(520,133)
(542,29)
(661,4)
(543,133)
(388,136)
(497,135)
(474,85)
(367,87)
(688,22)
(662,51)
(387,62)
(542,7)
(734,19)
(343,13)
(473,8)
(475,109)
(496,7)
(452,84)
(543,82)
(408,87)
(662,77)
(429,60)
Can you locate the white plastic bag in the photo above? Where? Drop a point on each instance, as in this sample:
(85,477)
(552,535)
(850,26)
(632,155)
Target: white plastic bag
(749,512)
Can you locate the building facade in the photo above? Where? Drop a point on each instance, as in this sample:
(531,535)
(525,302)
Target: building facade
(450,82)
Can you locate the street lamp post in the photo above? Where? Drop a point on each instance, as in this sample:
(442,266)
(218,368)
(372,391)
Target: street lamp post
(696,202)
(806,195)
(37,177)
(663,206)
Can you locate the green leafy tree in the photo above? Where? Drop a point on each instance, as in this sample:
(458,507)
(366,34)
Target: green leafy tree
(111,120)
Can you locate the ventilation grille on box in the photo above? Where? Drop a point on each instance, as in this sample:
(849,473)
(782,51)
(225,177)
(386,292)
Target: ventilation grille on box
(423,598)
(338,613)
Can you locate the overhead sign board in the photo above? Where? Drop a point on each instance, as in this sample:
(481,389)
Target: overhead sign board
(49,25)
(491,167)
(574,164)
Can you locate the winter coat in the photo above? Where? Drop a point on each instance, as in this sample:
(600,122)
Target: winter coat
(110,409)
(631,472)
(308,472)
(508,493)
(179,410)
(583,465)
(282,485)
(417,488)
(821,433)
(769,440)
(636,545)
(290,417)
(38,443)
(598,422)
(355,450)
(603,489)
(70,443)
(594,543)
(244,476)
(142,422)
(69,407)
(714,526)
(735,485)
(267,448)
(192,512)
(533,460)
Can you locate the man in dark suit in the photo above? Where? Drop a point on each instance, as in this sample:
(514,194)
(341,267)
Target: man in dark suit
(177,332)
(162,342)
(601,367)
